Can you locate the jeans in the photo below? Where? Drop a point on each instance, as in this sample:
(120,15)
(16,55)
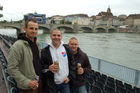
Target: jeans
(81,89)
(62,88)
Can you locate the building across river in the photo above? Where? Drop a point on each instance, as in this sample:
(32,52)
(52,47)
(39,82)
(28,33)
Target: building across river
(41,18)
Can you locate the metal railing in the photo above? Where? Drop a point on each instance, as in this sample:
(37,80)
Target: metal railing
(125,74)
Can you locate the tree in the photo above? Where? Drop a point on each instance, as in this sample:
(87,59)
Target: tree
(68,22)
(62,21)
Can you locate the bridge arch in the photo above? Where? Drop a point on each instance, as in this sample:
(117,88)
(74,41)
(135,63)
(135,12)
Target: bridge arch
(86,29)
(100,30)
(112,30)
(45,29)
(18,30)
(66,29)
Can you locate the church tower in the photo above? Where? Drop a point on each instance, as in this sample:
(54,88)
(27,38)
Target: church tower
(108,9)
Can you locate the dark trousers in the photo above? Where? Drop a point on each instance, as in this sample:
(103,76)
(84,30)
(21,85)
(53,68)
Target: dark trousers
(62,88)
(30,91)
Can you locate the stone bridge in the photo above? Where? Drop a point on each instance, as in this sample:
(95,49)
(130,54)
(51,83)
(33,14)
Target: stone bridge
(66,28)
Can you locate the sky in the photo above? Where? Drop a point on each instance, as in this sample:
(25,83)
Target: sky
(16,9)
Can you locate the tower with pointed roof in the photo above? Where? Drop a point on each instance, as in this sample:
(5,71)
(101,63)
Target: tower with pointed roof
(108,9)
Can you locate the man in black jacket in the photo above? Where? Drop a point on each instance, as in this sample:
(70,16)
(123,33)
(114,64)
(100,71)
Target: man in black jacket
(83,66)
(58,65)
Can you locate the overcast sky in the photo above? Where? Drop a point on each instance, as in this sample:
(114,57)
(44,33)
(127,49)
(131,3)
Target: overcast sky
(15,9)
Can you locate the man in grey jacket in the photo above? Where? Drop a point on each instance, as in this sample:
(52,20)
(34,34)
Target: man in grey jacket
(24,60)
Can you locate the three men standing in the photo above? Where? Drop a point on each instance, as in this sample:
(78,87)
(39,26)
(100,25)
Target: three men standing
(57,61)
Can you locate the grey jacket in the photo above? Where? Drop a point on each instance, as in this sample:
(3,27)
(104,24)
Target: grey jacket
(20,63)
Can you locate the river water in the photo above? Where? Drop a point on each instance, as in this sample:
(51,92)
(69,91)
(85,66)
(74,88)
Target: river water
(118,48)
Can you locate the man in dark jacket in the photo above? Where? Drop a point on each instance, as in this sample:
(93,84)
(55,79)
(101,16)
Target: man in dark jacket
(57,64)
(83,66)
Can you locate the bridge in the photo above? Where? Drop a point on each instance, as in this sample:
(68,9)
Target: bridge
(66,28)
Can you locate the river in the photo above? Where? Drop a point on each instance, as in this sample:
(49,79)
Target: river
(118,48)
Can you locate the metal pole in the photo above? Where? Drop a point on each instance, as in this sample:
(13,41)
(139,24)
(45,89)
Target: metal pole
(137,78)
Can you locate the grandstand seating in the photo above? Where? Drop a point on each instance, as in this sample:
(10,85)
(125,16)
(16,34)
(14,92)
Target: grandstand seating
(14,90)
(8,79)
(12,81)
(106,84)
(96,89)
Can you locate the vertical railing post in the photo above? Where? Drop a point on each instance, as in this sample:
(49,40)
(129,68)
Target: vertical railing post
(99,64)
(137,78)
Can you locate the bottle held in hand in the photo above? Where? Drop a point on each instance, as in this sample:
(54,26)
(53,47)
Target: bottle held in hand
(36,79)
(57,64)
(78,65)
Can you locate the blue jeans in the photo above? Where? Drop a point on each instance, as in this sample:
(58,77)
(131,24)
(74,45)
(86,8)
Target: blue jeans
(62,88)
(81,89)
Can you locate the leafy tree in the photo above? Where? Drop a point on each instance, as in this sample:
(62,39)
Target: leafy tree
(62,21)
(68,22)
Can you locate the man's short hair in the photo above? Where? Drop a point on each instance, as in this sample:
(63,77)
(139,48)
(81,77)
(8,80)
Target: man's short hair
(55,30)
(31,19)
(73,38)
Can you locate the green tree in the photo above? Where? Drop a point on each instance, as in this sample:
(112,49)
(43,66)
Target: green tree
(62,21)
(68,22)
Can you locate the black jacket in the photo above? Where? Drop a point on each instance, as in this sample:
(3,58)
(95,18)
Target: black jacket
(82,58)
(48,77)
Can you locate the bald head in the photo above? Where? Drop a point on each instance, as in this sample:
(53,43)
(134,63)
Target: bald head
(73,44)
(56,30)
(56,37)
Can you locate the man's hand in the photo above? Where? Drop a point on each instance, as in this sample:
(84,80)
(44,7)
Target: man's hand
(33,85)
(54,68)
(80,71)
(66,80)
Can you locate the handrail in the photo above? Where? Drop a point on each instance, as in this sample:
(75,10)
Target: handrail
(123,73)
